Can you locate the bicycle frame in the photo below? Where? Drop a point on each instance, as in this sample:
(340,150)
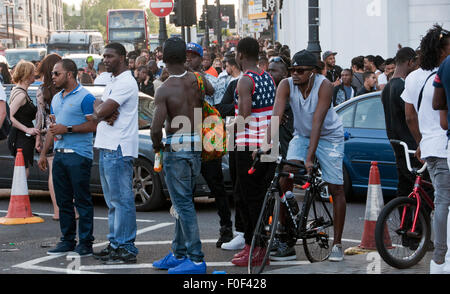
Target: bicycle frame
(417,194)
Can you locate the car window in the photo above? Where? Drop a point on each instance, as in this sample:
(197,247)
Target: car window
(370,114)
(346,115)
(146,109)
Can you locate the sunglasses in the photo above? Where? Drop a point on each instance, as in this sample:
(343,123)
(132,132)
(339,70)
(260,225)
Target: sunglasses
(300,71)
(56,74)
(277,59)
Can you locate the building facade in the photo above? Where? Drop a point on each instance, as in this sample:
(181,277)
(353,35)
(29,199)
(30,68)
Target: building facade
(45,16)
(355,27)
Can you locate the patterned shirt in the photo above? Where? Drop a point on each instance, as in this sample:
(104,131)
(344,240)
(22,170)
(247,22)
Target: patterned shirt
(263,98)
(219,85)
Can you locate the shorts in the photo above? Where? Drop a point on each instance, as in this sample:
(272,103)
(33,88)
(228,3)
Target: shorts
(330,156)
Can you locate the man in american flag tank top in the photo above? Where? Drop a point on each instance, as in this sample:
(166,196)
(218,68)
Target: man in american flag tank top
(255,95)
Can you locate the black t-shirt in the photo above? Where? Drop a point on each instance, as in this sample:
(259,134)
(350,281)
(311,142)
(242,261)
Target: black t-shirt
(394,110)
(334,74)
(363,91)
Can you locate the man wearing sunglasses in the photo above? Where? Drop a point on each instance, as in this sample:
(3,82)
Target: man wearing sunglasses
(318,132)
(72,109)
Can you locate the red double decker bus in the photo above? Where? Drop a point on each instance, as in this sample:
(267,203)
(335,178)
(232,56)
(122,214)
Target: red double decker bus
(128,27)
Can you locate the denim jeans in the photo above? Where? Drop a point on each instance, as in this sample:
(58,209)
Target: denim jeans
(440,177)
(116,176)
(212,173)
(71,174)
(181,170)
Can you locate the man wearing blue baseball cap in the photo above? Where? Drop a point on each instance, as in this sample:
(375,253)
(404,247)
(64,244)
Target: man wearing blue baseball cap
(194,48)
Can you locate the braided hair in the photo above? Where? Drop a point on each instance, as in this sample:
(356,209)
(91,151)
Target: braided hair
(431,47)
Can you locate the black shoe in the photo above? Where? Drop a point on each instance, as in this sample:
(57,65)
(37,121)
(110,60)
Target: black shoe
(226,235)
(120,256)
(105,252)
(284,253)
(62,248)
(84,250)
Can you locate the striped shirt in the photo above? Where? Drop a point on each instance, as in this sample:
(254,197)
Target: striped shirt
(263,98)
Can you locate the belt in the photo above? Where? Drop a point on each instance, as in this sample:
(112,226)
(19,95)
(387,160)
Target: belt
(179,148)
(64,150)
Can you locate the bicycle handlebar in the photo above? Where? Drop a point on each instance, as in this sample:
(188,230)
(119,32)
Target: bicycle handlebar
(407,152)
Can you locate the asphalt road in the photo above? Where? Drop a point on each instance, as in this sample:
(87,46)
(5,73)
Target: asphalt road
(23,247)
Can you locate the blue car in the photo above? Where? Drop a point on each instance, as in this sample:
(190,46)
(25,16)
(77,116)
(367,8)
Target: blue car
(366,141)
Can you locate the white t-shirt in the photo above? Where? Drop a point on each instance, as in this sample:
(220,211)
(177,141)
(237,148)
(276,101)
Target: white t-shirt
(382,79)
(123,89)
(434,138)
(103,79)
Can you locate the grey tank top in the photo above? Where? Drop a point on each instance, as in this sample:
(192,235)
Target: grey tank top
(303,109)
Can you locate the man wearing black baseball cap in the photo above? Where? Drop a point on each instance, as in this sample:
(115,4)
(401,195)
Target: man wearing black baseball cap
(318,133)
(333,70)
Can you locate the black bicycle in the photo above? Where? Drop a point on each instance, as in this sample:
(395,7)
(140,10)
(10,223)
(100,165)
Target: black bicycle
(313,224)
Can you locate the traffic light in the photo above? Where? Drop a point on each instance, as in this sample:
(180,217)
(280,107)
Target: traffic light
(189,12)
(175,17)
(184,13)
(225,10)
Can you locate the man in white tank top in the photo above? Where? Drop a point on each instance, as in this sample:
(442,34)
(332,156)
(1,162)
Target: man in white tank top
(318,132)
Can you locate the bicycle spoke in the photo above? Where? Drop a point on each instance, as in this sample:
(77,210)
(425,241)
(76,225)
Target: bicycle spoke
(264,234)
(318,230)
(395,242)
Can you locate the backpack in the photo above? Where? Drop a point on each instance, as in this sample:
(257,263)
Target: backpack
(214,139)
(7,124)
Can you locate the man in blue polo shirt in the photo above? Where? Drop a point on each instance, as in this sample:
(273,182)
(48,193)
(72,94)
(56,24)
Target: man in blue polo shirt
(72,133)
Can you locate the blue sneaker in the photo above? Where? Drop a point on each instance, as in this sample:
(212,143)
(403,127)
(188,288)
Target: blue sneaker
(188,268)
(168,262)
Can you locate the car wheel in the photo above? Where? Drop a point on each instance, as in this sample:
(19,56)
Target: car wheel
(146,186)
(348,190)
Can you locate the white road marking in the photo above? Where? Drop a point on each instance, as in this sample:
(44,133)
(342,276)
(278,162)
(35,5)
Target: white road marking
(32,264)
(95,217)
(208,264)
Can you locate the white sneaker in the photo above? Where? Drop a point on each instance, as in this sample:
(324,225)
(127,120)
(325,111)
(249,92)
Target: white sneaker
(447,268)
(436,269)
(238,243)
(336,253)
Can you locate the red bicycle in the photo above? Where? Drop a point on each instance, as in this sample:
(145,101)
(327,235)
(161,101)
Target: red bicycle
(403,229)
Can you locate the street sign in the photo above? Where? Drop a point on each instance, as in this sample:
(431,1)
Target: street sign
(161,8)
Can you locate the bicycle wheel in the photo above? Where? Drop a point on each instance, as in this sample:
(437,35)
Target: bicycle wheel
(264,233)
(396,244)
(318,228)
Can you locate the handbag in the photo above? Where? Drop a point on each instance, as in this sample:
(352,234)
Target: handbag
(214,139)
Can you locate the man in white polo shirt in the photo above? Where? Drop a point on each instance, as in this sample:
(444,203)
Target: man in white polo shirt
(117,139)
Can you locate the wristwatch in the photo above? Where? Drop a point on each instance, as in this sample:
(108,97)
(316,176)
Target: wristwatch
(69,129)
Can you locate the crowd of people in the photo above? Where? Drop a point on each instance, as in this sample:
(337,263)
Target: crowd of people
(256,81)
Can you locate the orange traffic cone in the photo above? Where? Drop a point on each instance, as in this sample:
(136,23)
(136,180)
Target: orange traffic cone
(19,210)
(374,205)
